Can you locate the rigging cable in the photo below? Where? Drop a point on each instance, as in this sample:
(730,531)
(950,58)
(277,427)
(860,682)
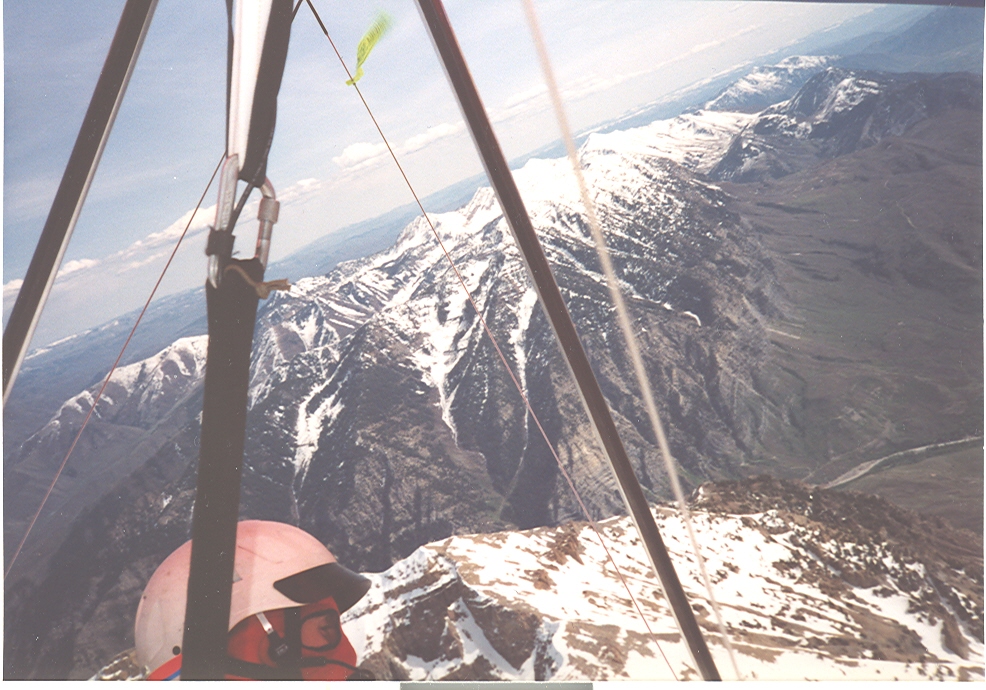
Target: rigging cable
(496,346)
(623,316)
(106,381)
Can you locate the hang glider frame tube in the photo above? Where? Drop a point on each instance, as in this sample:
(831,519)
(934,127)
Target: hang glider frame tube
(595,404)
(72,191)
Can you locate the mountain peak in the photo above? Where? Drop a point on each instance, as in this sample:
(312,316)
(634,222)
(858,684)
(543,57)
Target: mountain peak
(838,111)
(770,84)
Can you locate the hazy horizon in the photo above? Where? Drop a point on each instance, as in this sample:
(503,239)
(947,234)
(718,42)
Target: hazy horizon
(327,163)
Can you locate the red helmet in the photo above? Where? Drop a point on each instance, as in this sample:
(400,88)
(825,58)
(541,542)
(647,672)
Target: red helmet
(276,566)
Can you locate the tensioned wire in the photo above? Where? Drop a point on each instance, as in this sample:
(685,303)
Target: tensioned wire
(623,315)
(116,363)
(496,346)
(126,343)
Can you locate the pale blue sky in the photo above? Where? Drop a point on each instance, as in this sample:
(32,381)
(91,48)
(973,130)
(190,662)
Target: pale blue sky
(326,162)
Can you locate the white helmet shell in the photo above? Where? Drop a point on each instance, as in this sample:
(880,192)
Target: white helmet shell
(266,553)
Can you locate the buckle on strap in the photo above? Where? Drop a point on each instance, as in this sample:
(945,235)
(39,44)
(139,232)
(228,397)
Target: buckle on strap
(277,648)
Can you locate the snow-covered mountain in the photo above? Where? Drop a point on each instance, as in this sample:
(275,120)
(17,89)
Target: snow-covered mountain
(770,84)
(381,418)
(143,406)
(839,111)
(812,585)
(350,367)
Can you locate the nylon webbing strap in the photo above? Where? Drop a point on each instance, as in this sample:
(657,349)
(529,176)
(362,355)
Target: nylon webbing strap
(263,110)
(232,311)
(260,31)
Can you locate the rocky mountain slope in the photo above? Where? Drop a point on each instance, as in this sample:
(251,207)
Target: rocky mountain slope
(839,111)
(812,584)
(144,405)
(880,256)
(790,326)
(51,375)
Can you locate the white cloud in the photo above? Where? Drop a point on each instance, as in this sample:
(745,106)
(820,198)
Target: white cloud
(88,292)
(167,237)
(534,98)
(299,191)
(140,262)
(525,96)
(10,291)
(595,84)
(359,154)
(157,246)
(12,288)
(70,267)
(432,134)
(364,154)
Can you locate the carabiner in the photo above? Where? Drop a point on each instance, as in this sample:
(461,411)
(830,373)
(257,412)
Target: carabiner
(267,215)
(220,244)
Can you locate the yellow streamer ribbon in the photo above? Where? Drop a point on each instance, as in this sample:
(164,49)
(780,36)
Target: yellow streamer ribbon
(380,26)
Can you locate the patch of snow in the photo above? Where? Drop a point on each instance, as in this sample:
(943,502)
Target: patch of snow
(692,315)
(583,607)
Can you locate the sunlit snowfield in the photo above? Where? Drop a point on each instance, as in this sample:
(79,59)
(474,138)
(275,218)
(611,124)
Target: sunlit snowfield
(777,585)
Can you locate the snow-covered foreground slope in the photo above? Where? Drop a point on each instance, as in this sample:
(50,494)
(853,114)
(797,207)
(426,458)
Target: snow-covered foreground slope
(813,585)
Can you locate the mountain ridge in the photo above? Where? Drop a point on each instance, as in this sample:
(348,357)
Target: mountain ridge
(380,418)
(546,604)
(813,585)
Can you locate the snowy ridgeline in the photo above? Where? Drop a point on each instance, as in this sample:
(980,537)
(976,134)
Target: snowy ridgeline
(406,285)
(812,585)
(769,84)
(803,598)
